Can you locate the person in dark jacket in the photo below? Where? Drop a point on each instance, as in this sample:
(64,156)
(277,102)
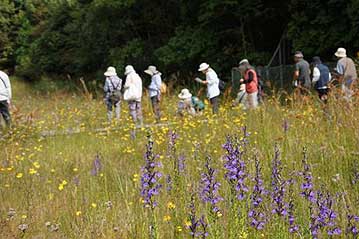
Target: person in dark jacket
(321,78)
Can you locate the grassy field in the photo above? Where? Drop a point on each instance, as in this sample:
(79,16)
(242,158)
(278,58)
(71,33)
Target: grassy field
(288,167)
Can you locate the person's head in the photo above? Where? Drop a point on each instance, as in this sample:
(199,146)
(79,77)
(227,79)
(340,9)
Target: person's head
(316,61)
(185,94)
(243,66)
(129,69)
(298,56)
(204,67)
(151,70)
(341,52)
(111,71)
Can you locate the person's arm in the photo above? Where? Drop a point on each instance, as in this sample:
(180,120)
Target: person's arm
(250,78)
(296,72)
(9,90)
(340,72)
(316,75)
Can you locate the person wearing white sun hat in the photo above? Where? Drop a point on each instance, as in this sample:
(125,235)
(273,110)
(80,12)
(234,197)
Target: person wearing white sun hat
(133,94)
(212,82)
(345,72)
(155,90)
(112,92)
(185,103)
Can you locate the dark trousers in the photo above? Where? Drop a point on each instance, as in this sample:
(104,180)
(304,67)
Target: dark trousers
(156,107)
(4,111)
(215,104)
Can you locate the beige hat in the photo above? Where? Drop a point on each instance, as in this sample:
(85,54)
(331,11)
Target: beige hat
(185,94)
(129,69)
(203,67)
(341,52)
(151,70)
(111,71)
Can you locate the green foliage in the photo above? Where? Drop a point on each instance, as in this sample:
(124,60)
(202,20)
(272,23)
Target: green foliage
(83,37)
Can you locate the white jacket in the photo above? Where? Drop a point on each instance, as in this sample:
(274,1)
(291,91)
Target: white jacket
(5,87)
(135,81)
(213,84)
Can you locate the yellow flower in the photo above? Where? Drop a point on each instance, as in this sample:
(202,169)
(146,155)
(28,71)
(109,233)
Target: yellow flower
(166,218)
(36,165)
(179,228)
(94,205)
(23,216)
(32,171)
(75,169)
(78,213)
(19,175)
(171,205)
(61,187)
(219,214)
(187,223)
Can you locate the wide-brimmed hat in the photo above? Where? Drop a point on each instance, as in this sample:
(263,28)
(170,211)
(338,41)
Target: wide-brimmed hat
(185,94)
(341,52)
(244,61)
(111,71)
(203,67)
(129,69)
(152,70)
(299,54)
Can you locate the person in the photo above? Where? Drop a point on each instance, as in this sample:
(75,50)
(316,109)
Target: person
(198,105)
(155,90)
(5,97)
(345,72)
(112,91)
(251,85)
(321,78)
(212,82)
(240,96)
(301,76)
(185,104)
(133,94)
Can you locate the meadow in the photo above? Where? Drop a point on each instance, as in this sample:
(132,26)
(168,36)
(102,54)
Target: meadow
(285,170)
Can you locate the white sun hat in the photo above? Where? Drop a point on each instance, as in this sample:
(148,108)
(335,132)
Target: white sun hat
(111,71)
(203,67)
(129,69)
(341,52)
(185,94)
(151,70)
(244,61)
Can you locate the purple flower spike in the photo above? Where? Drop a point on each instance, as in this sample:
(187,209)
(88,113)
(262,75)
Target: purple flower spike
(149,179)
(97,166)
(209,187)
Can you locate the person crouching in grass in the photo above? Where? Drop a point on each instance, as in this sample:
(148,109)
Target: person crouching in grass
(5,98)
(321,78)
(185,103)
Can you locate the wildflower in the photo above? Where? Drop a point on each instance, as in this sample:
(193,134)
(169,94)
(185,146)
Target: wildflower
(78,213)
(19,175)
(11,213)
(171,205)
(23,216)
(166,218)
(94,205)
(235,166)
(307,185)
(179,228)
(32,171)
(97,166)
(135,178)
(149,179)
(23,227)
(293,227)
(209,187)
(256,213)
(168,183)
(278,186)
(108,204)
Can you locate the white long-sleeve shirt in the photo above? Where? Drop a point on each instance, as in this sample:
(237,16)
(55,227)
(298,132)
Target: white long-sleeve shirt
(316,77)
(5,87)
(213,84)
(155,86)
(135,80)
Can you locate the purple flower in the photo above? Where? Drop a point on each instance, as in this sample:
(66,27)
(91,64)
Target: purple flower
(149,179)
(198,227)
(169,183)
(307,185)
(285,125)
(235,166)
(256,213)
(293,227)
(278,186)
(178,161)
(352,225)
(209,187)
(97,166)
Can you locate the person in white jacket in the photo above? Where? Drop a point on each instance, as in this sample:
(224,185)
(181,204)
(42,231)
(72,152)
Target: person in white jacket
(5,97)
(154,90)
(133,93)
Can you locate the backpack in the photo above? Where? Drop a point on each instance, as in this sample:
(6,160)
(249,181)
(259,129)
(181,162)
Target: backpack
(163,88)
(115,94)
(222,85)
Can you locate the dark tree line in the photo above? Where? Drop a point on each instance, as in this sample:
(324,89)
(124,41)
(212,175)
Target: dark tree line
(83,37)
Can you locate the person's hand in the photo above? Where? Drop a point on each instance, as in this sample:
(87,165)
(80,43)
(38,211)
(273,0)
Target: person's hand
(241,80)
(159,98)
(198,80)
